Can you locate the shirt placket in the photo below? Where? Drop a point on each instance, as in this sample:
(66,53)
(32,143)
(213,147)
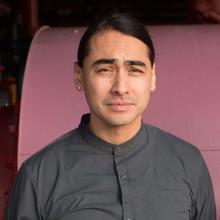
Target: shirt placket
(124,184)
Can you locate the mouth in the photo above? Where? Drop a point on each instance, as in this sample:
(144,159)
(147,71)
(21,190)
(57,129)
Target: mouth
(120,106)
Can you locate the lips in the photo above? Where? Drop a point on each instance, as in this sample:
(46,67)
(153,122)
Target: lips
(120,106)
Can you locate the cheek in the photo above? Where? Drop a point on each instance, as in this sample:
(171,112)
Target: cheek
(141,87)
(95,89)
(142,93)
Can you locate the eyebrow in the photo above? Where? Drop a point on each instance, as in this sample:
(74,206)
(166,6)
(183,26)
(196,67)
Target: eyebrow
(104,61)
(111,61)
(135,63)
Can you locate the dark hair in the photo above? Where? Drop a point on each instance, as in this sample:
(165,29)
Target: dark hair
(121,22)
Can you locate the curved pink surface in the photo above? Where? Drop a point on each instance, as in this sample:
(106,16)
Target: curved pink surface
(186,102)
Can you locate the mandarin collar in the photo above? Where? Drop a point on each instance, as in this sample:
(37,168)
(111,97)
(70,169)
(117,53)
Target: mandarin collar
(138,140)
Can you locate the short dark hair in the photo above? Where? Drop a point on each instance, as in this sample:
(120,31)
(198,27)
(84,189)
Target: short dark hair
(121,22)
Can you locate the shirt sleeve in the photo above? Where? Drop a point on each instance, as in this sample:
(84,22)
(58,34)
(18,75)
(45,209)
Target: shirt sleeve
(23,200)
(204,203)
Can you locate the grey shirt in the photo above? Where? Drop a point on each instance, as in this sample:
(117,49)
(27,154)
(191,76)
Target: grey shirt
(153,176)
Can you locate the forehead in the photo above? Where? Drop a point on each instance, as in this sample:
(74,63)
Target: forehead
(112,43)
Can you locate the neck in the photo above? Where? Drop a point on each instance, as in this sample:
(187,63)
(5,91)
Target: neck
(114,134)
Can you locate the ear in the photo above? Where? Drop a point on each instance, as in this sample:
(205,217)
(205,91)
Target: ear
(153,79)
(78,77)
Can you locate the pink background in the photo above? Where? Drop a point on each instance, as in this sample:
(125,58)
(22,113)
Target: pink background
(186,102)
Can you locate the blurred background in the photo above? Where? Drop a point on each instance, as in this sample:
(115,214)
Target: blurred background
(20,19)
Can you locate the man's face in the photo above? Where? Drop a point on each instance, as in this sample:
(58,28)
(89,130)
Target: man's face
(117,79)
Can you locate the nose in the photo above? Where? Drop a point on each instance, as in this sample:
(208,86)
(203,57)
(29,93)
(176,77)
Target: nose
(120,85)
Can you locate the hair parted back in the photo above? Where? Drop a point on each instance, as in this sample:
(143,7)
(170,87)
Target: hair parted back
(121,22)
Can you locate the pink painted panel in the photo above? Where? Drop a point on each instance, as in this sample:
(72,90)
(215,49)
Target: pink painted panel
(186,102)
(50,105)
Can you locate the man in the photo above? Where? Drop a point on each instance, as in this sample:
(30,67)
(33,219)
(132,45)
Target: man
(113,166)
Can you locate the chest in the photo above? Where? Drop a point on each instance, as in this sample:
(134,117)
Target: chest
(120,189)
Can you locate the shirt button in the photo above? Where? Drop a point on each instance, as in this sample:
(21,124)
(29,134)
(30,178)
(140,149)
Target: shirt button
(123,176)
(119,149)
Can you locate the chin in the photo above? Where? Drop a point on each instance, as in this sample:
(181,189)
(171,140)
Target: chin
(117,121)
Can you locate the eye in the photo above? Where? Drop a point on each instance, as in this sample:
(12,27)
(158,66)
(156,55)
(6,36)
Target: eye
(104,70)
(135,70)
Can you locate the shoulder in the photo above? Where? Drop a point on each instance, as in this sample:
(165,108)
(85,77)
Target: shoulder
(173,147)
(176,153)
(54,154)
(182,160)
(45,167)
(169,141)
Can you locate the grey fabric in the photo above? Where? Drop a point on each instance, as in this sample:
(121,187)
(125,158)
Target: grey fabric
(153,176)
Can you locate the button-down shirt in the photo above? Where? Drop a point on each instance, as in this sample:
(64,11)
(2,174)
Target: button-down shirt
(153,176)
